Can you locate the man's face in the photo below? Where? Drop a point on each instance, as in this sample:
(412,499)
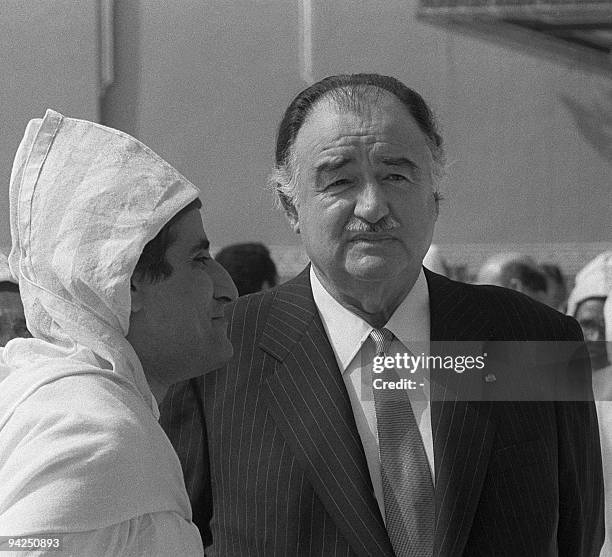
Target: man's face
(12,319)
(183,314)
(365,206)
(590,316)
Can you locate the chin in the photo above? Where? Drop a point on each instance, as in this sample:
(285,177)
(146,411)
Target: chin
(375,269)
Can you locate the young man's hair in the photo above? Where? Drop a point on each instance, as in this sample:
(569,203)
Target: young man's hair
(153,265)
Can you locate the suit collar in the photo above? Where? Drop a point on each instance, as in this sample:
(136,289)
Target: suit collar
(456,314)
(347,331)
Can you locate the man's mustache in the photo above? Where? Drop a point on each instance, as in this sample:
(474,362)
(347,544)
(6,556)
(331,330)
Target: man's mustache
(386,224)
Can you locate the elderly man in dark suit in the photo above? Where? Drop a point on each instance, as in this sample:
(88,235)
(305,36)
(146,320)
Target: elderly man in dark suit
(293,449)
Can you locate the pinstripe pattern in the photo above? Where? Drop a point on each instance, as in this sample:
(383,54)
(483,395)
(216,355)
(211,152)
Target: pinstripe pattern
(282,460)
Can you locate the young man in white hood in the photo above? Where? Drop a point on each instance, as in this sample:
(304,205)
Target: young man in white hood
(123,299)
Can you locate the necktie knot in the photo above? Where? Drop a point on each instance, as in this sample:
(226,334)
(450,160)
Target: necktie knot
(382,339)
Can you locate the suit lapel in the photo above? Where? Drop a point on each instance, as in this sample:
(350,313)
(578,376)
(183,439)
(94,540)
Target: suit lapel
(462,429)
(308,400)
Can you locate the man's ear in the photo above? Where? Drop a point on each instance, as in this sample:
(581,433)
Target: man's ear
(294,221)
(292,217)
(136,295)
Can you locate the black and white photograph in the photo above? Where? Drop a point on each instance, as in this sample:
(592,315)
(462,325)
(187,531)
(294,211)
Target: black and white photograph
(306,278)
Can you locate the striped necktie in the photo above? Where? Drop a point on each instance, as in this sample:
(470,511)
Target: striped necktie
(407,486)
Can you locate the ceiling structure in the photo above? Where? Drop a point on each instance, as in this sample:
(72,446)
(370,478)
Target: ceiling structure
(577,28)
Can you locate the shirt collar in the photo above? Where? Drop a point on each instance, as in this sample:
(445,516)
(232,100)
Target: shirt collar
(347,332)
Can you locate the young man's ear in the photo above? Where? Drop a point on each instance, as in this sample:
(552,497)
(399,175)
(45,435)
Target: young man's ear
(136,295)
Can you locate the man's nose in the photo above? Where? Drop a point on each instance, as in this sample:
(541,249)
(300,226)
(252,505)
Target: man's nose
(371,204)
(224,287)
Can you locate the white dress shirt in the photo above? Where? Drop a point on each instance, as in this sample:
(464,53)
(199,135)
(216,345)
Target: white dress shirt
(347,333)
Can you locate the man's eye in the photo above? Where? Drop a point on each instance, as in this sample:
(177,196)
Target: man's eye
(339,183)
(203,259)
(396,178)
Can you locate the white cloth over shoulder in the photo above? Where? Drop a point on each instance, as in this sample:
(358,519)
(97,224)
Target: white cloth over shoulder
(81,449)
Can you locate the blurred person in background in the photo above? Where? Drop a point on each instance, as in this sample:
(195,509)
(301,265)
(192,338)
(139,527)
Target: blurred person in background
(515,271)
(250,267)
(590,302)
(12,318)
(123,299)
(586,304)
(556,286)
(607,394)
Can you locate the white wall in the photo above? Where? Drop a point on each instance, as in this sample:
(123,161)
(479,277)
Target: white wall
(215,76)
(48,59)
(205,83)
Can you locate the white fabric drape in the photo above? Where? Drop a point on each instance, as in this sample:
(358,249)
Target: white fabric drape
(80,446)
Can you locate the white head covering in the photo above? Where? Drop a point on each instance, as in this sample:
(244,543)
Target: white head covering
(594,280)
(84,201)
(5,272)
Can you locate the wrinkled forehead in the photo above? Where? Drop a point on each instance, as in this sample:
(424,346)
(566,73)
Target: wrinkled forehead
(362,101)
(376,120)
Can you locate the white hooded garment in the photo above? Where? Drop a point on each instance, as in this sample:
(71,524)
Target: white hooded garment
(80,446)
(595,281)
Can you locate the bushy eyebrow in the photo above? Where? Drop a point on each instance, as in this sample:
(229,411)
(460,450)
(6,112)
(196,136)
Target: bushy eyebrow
(398,161)
(337,163)
(330,165)
(202,245)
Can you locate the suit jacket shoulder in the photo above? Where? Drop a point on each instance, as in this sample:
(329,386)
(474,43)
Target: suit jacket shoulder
(508,315)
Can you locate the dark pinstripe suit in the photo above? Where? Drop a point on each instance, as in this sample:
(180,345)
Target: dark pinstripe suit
(281,459)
